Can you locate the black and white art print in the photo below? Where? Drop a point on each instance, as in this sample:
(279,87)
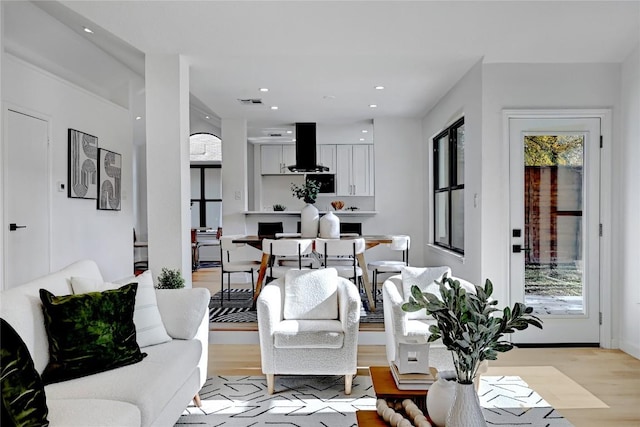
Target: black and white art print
(110,179)
(82,170)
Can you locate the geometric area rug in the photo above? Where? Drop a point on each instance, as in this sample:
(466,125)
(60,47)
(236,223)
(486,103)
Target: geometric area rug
(310,401)
(236,308)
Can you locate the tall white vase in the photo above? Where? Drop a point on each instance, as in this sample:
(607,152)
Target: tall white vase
(330,226)
(466,411)
(309,219)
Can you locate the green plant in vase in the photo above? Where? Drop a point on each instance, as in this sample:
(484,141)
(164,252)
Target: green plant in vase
(470,327)
(307,192)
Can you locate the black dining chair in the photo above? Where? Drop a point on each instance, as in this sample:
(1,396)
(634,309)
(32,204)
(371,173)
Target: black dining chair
(269,229)
(351,228)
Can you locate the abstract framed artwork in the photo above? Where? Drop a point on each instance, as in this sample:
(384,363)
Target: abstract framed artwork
(82,171)
(109,179)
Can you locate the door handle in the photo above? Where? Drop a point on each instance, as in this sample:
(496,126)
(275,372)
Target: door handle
(518,248)
(14,227)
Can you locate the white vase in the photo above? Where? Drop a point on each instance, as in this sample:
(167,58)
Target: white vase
(330,226)
(440,399)
(466,411)
(309,218)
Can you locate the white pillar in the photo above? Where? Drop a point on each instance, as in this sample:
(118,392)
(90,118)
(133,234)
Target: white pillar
(234,175)
(167,110)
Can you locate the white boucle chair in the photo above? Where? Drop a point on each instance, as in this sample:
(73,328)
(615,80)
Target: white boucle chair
(400,325)
(308,325)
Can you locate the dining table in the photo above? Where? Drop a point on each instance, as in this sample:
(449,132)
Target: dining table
(370,242)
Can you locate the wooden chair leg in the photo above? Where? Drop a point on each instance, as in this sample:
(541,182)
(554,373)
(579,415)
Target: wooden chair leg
(348,379)
(271,379)
(197,401)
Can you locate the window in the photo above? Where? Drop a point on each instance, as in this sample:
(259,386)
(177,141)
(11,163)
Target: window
(206,196)
(448,185)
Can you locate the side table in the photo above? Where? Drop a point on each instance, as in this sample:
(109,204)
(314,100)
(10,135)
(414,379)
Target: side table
(385,388)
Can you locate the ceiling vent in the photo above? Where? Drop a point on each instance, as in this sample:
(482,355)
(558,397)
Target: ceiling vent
(251,101)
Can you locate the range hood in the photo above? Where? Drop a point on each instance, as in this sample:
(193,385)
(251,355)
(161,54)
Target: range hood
(306,149)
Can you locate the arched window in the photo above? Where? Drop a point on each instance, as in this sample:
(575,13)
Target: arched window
(206,180)
(205,147)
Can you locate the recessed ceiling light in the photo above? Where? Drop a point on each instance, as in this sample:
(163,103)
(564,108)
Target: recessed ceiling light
(379,87)
(289,131)
(361,139)
(138,118)
(88,30)
(364,131)
(264,89)
(373,105)
(274,107)
(329,97)
(207,117)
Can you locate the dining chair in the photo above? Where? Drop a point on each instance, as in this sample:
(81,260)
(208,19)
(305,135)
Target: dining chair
(399,243)
(348,249)
(269,229)
(289,248)
(230,264)
(207,241)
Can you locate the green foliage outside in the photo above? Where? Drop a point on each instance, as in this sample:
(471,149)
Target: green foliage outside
(553,150)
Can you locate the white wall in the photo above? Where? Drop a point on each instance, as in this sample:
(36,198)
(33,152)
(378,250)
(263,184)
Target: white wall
(79,230)
(464,99)
(627,252)
(530,86)
(399,185)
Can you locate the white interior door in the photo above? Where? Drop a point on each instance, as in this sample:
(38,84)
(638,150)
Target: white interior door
(27,186)
(555,205)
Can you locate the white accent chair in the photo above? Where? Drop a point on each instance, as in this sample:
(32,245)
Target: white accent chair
(400,325)
(308,325)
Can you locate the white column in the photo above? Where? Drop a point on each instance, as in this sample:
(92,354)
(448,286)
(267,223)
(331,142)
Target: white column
(234,175)
(167,110)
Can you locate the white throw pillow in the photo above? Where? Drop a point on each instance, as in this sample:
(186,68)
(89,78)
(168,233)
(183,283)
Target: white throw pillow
(311,294)
(424,278)
(149,327)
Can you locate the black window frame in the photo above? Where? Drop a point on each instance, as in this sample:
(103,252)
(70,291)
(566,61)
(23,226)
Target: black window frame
(452,184)
(202,201)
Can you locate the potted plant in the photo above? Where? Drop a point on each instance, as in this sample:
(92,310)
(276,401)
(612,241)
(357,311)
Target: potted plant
(170,279)
(309,215)
(279,207)
(471,329)
(307,192)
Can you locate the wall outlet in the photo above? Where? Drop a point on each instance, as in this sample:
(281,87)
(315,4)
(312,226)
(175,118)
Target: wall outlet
(238,195)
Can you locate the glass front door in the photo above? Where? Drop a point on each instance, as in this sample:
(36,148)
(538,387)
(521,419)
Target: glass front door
(555,226)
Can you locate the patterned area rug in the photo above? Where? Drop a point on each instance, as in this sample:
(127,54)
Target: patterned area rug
(320,401)
(236,308)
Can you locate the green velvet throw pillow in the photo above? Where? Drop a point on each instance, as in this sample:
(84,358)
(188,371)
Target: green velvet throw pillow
(23,399)
(89,333)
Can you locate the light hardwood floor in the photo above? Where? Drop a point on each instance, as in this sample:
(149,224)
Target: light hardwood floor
(611,375)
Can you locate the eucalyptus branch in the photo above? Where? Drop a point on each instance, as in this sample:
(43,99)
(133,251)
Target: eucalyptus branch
(468,325)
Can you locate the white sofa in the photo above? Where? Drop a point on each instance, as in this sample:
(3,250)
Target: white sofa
(153,392)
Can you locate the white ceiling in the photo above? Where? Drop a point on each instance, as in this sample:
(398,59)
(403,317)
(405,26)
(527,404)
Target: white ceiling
(322,59)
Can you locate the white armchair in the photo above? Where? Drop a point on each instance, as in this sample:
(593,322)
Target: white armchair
(400,325)
(308,325)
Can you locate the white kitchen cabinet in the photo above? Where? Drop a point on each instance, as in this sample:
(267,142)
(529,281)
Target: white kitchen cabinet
(354,170)
(276,158)
(326,156)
